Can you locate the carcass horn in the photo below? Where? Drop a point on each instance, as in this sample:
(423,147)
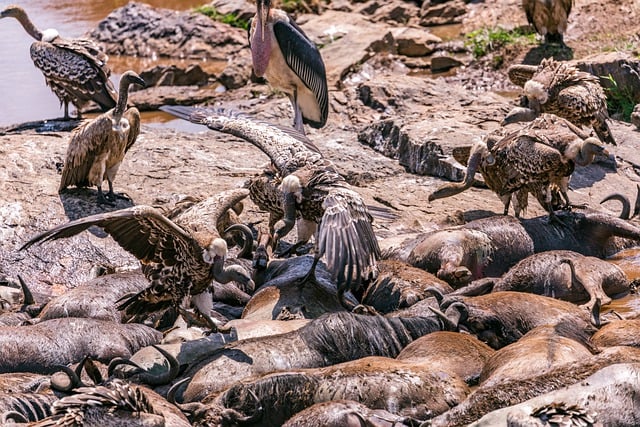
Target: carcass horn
(626,205)
(247,245)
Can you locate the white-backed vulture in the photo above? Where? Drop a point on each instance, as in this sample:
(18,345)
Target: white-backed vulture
(97,147)
(312,189)
(560,88)
(177,263)
(75,69)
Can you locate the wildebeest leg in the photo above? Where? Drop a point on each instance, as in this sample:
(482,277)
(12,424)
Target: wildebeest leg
(593,286)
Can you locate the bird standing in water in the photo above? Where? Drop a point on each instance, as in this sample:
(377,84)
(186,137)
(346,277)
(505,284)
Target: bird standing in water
(75,69)
(291,62)
(97,148)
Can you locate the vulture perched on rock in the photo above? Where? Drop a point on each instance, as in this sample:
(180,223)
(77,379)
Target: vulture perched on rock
(549,18)
(561,88)
(98,146)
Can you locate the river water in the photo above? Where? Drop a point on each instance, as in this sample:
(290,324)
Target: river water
(24,95)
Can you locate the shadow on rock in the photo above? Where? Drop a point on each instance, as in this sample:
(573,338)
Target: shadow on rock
(557,52)
(41,126)
(82,202)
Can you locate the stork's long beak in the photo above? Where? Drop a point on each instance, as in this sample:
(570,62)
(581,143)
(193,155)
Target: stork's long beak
(264,7)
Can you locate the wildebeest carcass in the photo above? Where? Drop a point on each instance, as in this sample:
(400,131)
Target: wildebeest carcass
(540,349)
(453,352)
(401,387)
(330,339)
(490,246)
(501,318)
(46,345)
(95,299)
(340,413)
(513,391)
(609,397)
(565,275)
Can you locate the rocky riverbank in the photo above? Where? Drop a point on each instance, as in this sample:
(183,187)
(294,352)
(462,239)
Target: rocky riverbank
(392,128)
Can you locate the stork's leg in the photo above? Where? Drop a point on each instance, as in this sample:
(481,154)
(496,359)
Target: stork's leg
(297,118)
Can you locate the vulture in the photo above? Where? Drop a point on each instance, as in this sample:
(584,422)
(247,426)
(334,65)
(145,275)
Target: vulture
(98,146)
(538,158)
(548,17)
(75,69)
(291,63)
(560,88)
(309,188)
(177,262)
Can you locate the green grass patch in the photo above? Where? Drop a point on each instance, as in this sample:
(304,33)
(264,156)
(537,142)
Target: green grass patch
(227,18)
(486,40)
(619,99)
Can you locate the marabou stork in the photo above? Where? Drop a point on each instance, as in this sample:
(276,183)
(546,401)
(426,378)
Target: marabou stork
(290,62)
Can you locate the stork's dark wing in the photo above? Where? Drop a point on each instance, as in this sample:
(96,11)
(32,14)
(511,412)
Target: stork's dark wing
(141,230)
(287,148)
(304,58)
(346,238)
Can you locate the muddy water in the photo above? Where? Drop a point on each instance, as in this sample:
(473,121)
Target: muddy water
(23,93)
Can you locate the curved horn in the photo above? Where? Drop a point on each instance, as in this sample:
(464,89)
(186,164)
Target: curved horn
(91,369)
(447,324)
(626,205)
(26,292)
(117,361)
(457,312)
(247,246)
(71,381)
(11,417)
(189,408)
(437,293)
(454,188)
(168,376)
